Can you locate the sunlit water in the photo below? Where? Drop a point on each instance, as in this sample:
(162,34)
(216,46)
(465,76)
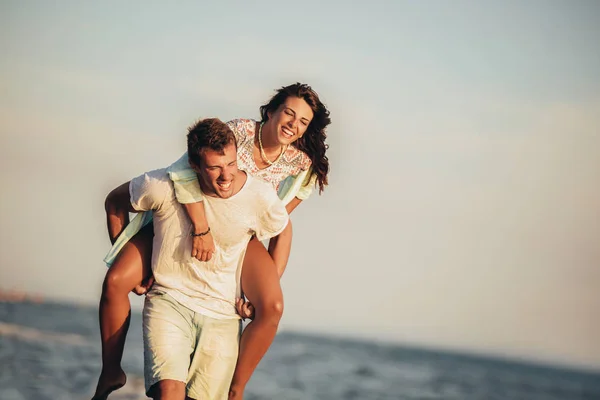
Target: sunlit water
(51,351)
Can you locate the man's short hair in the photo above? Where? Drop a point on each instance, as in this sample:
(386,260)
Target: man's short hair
(208,134)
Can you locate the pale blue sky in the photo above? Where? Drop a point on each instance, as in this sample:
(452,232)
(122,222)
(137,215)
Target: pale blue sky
(464,195)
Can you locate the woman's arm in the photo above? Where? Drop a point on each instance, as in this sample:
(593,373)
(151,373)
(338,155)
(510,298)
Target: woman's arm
(280,245)
(291,206)
(203,245)
(296,188)
(189,195)
(279,248)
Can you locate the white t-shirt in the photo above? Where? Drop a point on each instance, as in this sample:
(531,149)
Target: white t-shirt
(209,288)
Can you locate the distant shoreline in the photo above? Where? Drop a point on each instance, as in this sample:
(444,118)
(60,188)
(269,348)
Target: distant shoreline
(18,296)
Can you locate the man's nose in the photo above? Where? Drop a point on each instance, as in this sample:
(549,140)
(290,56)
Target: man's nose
(225,175)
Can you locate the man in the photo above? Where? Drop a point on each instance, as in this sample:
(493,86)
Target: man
(191,328)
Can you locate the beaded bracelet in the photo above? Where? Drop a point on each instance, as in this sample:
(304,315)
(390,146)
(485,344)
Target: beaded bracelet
(200,234)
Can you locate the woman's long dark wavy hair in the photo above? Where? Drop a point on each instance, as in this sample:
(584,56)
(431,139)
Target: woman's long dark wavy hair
(313,140)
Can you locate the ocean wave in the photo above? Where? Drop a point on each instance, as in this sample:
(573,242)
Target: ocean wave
(36,335)
(38,361)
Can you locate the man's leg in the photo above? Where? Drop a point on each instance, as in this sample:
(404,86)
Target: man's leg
(169,340)
(168,389)
(214,359)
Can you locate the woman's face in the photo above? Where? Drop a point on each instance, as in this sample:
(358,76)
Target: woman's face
(290,121)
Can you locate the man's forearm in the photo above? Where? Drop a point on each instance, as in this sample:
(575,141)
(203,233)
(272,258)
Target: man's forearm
(279,248)
(117,206)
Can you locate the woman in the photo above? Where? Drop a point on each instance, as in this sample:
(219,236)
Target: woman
(287,149)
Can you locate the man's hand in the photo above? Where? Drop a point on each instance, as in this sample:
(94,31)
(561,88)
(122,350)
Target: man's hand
(144,287)
(244,308)
(203,247)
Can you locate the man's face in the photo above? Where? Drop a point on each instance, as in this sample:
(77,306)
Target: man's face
(218,172)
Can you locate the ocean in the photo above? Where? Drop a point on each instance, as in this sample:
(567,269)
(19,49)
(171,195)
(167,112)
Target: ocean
(52,351)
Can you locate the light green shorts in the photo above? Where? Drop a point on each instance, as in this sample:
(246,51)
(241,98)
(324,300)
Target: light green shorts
(186,346)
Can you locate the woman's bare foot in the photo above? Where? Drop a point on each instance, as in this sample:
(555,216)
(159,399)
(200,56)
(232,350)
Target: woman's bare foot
(108,382)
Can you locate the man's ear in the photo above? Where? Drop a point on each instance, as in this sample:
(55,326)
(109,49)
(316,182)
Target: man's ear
(194,167)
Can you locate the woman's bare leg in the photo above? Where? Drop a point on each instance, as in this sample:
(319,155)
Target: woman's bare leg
(129,269)
(261,285)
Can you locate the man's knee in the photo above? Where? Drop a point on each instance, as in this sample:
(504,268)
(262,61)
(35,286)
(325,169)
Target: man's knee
(167,389)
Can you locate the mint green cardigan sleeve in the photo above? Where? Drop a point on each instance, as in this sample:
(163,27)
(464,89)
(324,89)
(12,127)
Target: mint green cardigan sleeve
(185,181)
(187,188)
(300,186)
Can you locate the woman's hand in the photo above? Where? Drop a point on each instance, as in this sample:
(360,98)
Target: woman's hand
(244,308)
(203,247)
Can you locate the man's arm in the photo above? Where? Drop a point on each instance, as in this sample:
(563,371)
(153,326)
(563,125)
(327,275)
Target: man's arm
(118,206)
